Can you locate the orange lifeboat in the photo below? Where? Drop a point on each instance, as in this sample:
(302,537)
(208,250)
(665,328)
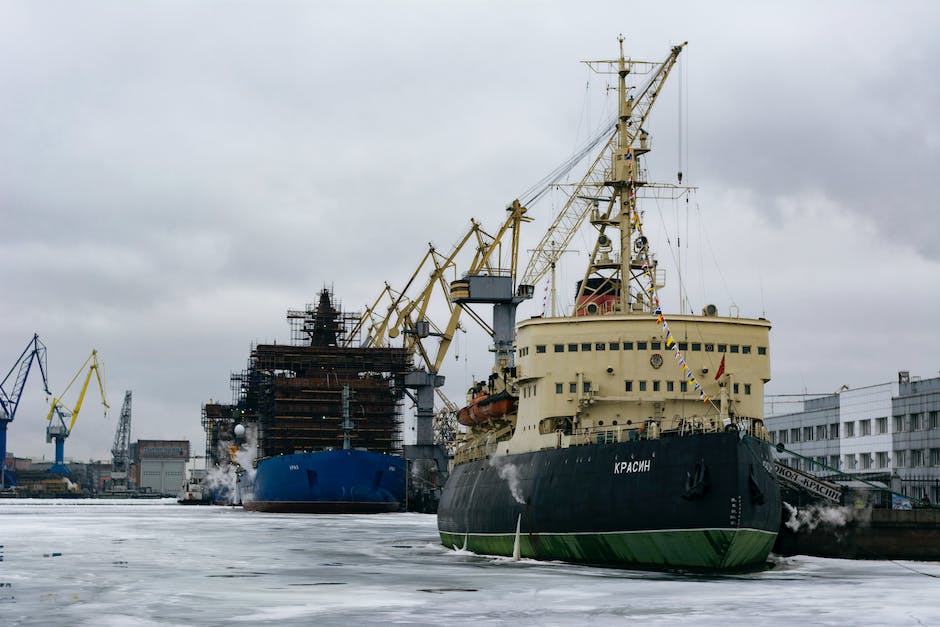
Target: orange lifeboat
(485,407)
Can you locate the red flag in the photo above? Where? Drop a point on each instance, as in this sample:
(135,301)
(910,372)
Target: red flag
(721,368)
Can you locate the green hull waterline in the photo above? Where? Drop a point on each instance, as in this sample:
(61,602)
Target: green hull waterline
(709,549)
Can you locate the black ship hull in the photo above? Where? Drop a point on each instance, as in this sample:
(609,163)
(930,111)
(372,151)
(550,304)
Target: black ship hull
(703,501)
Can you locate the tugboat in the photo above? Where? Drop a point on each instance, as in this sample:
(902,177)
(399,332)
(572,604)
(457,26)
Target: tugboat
(626,436)
(194,491)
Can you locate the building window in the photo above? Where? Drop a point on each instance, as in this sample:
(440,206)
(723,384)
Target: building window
(761,350)
(898,424)
(745,350)
(935,457)
(794,435)
(628,385)
(821,432)
(834,431)
(917,458)
(642,386)
(670,386)
(834,461)
(934,424)
(916,422)
(641,346)
(585,346)
(866,461)
(559,348)
(615,346)
(849,461)
(807,434)
(683,386)
(656,386)
(881,459)
(900,459)
(864,427)
(849,430)
(782,436)
(747,388)
(881,424)
(539,348)
(559,388)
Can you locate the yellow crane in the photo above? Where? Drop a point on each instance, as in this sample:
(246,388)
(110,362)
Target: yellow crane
(57,429)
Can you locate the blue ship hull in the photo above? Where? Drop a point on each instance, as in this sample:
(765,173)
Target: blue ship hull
(327,482)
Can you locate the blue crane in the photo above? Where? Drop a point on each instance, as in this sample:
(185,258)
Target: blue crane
(10,397)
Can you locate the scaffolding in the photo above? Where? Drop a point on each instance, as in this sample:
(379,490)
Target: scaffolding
(292,393)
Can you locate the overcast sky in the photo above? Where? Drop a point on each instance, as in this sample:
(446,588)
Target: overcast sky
(175,175)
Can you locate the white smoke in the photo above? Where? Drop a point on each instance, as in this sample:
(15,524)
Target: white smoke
(831,516)
(223,479)
(509,473)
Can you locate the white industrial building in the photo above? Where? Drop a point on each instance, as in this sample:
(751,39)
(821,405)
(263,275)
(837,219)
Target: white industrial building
(888,432)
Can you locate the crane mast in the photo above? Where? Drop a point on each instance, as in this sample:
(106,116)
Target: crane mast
(11,391)
(120,451)
(57,430)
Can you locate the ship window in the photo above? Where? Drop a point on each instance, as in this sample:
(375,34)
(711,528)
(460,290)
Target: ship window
(600,346)
(747,388)
(573,388)
(559,388)
(683,386)
(670,386)
(540,348)
(641,346)
(722,348)
(746,350)
(587,386)
(683,346)
(656,346)
(628,386)
(656,386)
(559,348)
(615,424)
(642,386)
(761,350)
(709,348)
(735,348)
(600,423)
(696,346)
(615,346)
(586,346)
(628,346)
(735,387)
(572,348)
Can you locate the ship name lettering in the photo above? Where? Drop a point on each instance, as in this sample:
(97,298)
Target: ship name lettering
(637,465)
(294,467)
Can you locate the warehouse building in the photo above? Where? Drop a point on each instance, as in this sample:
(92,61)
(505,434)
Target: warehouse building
(160,465)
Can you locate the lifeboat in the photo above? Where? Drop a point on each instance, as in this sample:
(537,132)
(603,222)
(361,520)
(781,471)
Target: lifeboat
(485,407)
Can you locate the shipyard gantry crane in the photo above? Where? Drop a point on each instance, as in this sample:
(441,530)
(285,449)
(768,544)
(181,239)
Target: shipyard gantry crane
(57,429)
(11,391)
(120,451)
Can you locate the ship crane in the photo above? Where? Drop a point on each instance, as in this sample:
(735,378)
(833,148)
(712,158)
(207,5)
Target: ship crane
(11,391)
(120,451)
(59,414)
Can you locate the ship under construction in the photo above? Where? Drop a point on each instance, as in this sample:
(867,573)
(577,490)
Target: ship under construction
(323,415)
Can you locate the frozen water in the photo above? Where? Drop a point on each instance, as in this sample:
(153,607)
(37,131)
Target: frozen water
(116,563)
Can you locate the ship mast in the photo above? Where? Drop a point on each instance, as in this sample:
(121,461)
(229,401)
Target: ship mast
(621,277)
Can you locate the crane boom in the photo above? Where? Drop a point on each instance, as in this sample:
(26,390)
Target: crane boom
(58,430)
(35,351)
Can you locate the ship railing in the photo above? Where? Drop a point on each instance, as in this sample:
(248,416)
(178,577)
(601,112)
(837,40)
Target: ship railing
(482,446)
